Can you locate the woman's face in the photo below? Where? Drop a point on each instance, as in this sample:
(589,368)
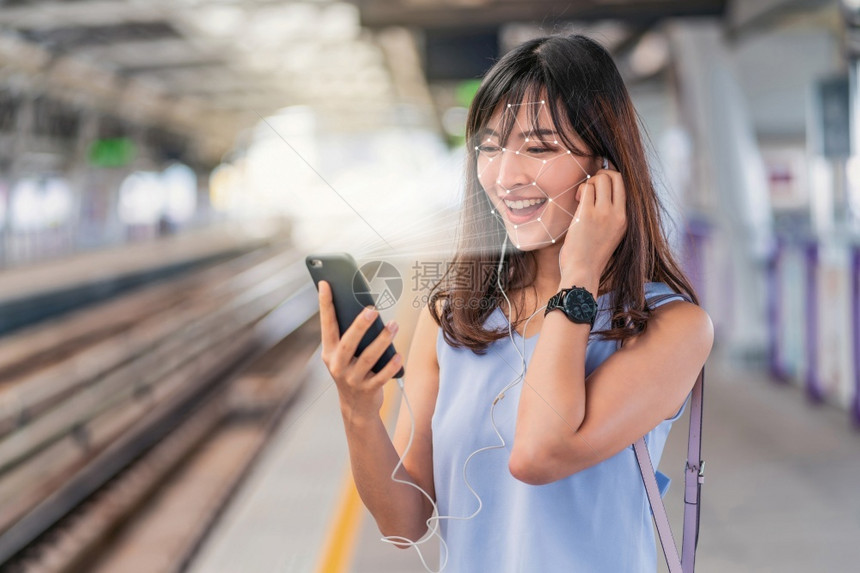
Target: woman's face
(531,179)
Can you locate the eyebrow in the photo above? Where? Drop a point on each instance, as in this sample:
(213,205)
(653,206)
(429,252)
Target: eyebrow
(488,131)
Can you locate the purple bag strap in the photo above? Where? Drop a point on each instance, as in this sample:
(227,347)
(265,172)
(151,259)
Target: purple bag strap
(694,476)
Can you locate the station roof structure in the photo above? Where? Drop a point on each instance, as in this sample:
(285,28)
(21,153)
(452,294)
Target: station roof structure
(207,69)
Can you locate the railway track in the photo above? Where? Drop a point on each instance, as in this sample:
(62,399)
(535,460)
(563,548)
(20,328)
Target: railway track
(140,416)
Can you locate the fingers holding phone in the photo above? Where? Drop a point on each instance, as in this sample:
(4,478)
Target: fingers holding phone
(362,359)
(375,350)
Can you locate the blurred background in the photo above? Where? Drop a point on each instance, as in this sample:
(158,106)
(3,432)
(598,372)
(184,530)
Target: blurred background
(166,165)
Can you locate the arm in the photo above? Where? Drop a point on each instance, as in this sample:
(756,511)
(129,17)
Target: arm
(399,509)
(421,388)
(565,425)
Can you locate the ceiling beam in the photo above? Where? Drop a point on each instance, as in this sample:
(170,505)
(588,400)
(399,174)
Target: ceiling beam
(82,84)
(382,13)
(749,16)
(87,13)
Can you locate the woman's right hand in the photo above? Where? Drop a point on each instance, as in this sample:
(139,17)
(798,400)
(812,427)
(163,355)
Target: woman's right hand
(359,389)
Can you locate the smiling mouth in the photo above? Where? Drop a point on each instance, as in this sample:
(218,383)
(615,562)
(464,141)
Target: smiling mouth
(522,210)
(523,205)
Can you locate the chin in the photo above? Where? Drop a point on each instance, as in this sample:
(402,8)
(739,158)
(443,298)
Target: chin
(534,241)
(530,244)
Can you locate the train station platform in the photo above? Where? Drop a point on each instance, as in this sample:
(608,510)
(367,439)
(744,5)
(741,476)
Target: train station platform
(31,293)
(780,492)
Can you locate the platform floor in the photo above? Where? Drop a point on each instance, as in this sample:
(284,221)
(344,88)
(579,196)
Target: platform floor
(109,263)
(782,492)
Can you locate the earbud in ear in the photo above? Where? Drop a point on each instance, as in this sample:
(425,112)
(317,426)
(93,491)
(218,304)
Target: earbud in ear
(606,163)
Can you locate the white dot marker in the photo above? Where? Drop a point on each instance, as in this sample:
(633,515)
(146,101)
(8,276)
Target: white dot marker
(518,246)
(568,151)
(542,102)
(515,226)
(509,105)
(491,159)
(556,142)
(538,218)
(549,199)
(527,139)
(503,149)
(553,241)
(534,183)
(518,152)
(544,160)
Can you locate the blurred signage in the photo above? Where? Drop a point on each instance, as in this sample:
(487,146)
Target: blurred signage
(112,152)
(787,169)
(452,55)
(834,104)
(465,92)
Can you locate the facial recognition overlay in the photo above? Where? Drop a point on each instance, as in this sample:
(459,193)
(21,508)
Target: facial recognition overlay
(384,280)
(531,178)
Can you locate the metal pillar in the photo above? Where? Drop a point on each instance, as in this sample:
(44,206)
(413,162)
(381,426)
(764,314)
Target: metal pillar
(24,122)
(730,178)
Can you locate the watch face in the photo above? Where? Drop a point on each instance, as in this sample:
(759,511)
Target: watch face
(580,306)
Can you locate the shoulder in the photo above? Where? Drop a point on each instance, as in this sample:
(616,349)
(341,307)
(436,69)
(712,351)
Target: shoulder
(683,323)
(674,346)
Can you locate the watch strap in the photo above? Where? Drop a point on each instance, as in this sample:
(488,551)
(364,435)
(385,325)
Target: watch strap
(556,302)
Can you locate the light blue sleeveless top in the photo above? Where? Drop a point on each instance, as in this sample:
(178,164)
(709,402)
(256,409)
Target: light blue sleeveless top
(597,520)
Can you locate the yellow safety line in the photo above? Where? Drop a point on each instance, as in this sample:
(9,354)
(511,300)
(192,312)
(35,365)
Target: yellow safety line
(340,542)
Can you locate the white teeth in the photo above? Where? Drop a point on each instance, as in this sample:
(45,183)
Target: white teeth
(523,204)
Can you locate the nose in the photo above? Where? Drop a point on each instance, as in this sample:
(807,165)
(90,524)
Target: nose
(512,171)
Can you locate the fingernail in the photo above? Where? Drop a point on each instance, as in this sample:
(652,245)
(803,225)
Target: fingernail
(393,327)
(397,359)
(369,313)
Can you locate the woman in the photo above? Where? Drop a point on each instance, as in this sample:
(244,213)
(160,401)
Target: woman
(558,196)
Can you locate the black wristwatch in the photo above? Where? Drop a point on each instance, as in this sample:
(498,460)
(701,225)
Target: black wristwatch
(576,303)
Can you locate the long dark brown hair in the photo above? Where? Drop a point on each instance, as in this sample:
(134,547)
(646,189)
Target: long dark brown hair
(585,95)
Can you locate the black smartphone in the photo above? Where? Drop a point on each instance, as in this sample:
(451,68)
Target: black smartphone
(351,295)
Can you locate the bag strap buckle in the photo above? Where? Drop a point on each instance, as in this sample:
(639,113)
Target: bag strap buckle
(700,471)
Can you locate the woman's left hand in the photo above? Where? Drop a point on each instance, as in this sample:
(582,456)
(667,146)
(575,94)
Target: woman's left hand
(597,228)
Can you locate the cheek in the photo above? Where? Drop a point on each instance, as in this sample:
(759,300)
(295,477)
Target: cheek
(564,202)
(563,193)
(486,175)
